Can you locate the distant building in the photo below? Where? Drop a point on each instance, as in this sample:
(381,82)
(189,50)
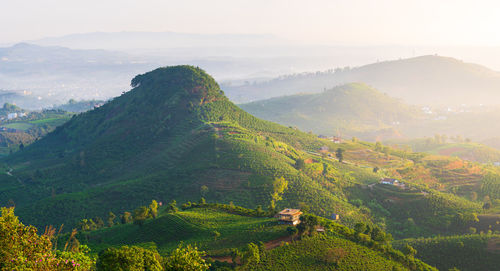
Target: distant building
(335,216)
(391,181)
(289,216)
(324,149)
(336,139)
(12,116)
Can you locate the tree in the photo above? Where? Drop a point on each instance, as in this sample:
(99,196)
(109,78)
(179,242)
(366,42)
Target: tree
(216,235)
(153,208)
(87,225)
(186,258)
(378,146)
(172,207)
(279,186)
(204,190)
(21,147)
(292,231)
(437,139)
(111,219)
(409,250)
(340,154)
(129,258)
(140,215)
(259,210)
(202,201)
(444,138)
(360,227)
(21,248)
(473,196)
(252,255)
(376,169)
(300,164)
(307,224)
(126,218)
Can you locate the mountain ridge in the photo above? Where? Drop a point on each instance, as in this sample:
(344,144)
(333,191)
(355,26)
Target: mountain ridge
(424,80)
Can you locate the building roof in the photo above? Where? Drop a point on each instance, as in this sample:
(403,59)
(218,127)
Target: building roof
(391,180)
(290,212)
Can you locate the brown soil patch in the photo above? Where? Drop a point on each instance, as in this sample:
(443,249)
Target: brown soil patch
(277,242)
(268,245)
(493,245)
(226,259)
(225,179)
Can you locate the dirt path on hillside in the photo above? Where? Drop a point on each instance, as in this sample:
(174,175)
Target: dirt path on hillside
(494,245)
(277,242)
(268,245)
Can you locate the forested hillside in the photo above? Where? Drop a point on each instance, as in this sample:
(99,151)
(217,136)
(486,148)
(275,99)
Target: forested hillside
(354,109)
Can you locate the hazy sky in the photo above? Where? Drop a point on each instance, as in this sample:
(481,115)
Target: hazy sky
(350,22)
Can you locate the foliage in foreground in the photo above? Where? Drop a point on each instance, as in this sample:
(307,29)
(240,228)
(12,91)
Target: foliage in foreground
(21,248)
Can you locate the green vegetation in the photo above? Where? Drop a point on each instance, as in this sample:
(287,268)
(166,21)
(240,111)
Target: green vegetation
(27,129)
(353,109)
(177,139)
(21,248)
(325,253)
(195,226)
(173,134)
(79,106)
(465,252)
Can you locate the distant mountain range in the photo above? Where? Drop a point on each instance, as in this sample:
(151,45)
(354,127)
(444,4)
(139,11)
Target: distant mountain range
(425,80)
(155,40)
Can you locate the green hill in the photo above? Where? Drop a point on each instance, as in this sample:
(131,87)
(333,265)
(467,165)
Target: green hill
(352,109)
(174,133)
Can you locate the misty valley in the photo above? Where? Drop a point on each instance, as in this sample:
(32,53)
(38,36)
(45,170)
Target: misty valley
(261,136)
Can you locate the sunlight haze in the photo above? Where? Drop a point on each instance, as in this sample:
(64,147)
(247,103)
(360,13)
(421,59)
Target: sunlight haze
(384,22)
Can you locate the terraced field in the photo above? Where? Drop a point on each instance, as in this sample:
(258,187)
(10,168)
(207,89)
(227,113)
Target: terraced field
(193,226)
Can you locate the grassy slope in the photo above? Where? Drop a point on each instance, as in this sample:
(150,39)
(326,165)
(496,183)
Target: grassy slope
(467,252)
(320,253)
(193,226)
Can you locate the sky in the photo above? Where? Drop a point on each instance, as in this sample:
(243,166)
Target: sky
(326,22)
